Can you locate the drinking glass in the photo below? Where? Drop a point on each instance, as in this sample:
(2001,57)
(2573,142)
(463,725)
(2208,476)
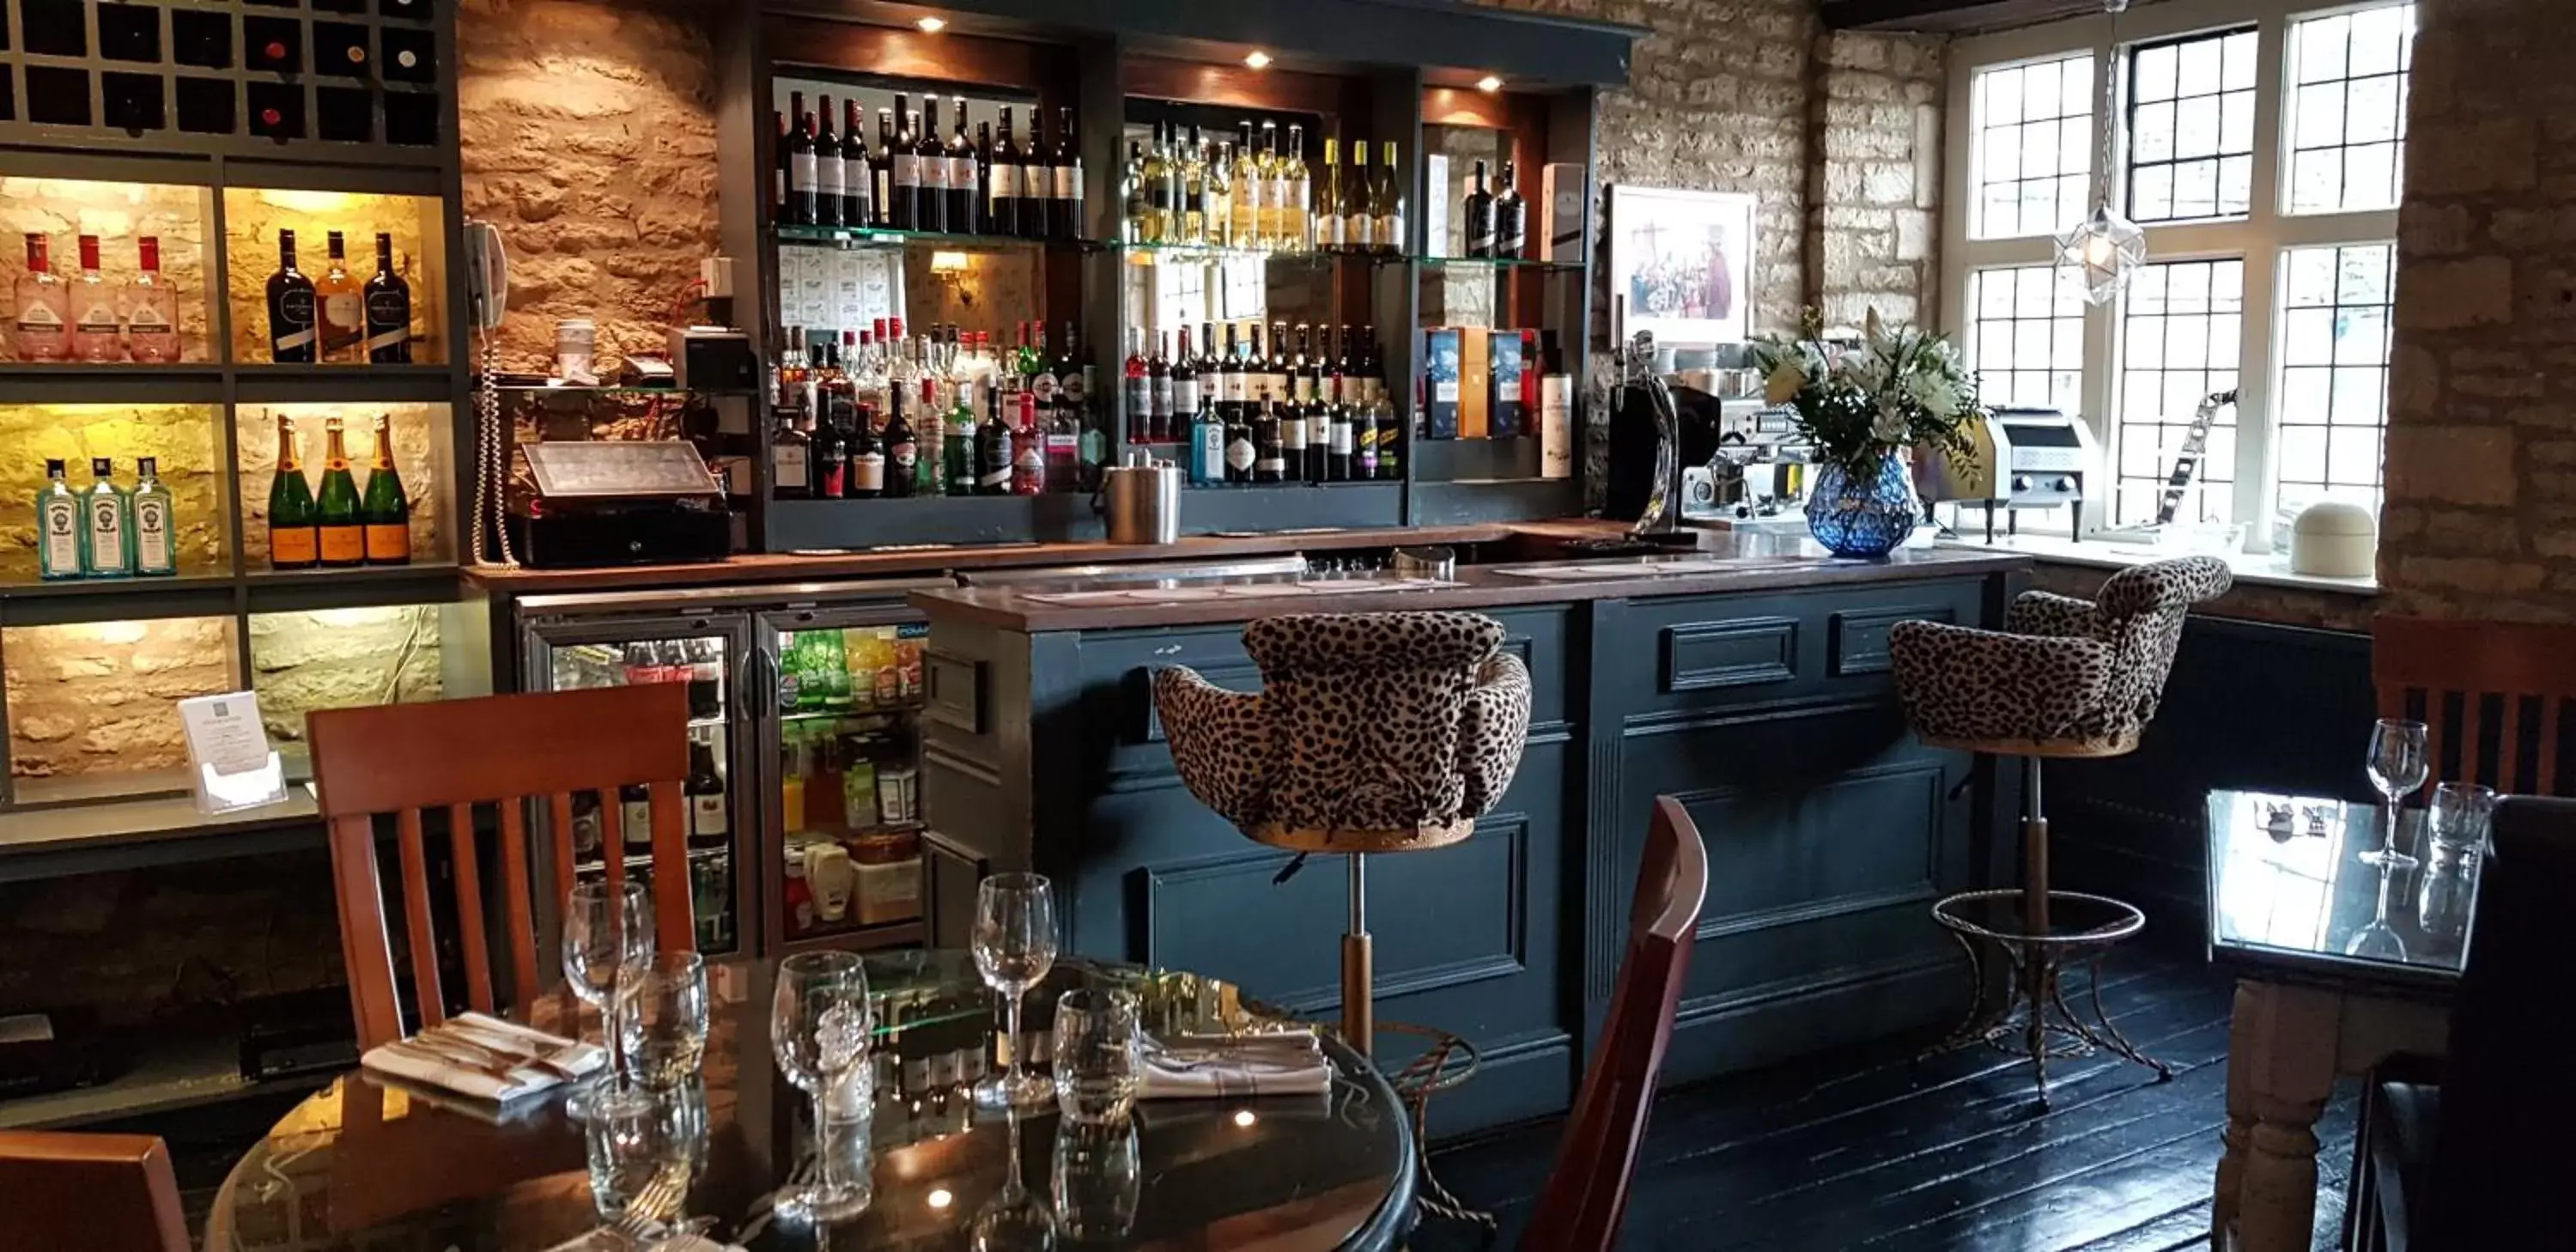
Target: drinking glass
(641,1139)
(2397,767)
(818,1027)
(1014,941)
(1097,1180)
(2459,815)
(1096,1062)
(604,931)
(664,1015)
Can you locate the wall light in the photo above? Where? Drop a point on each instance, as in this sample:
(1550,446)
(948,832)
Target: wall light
(931,25)
(1489,83)
(1257,59)
(1244,1118)
(948,263)
(940,1198)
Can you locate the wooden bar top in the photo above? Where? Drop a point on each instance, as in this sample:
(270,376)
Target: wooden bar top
(1722,562)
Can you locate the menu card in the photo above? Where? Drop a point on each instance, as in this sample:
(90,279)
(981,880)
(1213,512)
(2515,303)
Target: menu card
(228,753)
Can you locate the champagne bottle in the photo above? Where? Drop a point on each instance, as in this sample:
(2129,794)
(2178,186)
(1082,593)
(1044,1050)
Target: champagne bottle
(343,533)
(294,537)
(386,511)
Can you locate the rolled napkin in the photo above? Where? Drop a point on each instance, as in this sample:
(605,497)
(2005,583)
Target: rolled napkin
(1236,1066)
(485,1058)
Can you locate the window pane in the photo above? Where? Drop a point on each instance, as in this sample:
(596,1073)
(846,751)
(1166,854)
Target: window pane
(2332,396)
(2026,343)
(2177,150)
(2347,109)
(2033,126)
(2179,327)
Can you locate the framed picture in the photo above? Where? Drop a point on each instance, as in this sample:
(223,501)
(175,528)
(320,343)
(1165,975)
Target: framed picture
(1681,264)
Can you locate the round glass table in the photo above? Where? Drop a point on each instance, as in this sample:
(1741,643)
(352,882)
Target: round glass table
(374,1163)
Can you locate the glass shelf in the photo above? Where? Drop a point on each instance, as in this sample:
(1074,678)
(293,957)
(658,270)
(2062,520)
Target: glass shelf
(1212,252)
(1498,263)
(890,237)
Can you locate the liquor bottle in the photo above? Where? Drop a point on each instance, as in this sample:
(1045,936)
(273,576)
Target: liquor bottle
(858,180)
(58,526)
(342,303)
(903,444)
(155,542)
(1364,442)
(1477,215)
(1185,388)
(635,819)
(957,450)
(1065,219)
(993,460)
(867,473)
(903,203)
(1028,456)
(1002,205)
(930,158)
(1138,390)
(778,168)
(1511,219)
(790,460)
(344,529)
(1158,392)
(1154,179)
(388,309)
(291,332)
(965,206)
(1296,187)
(1386,204)
(1555,411)
(705,788)
(107,525)
(41,329)
(1241,454)
(1070,387)
(1040,368)
(831,171)
(294,537)
(1269,437)
(881,168)
(1327,210)
(94,323)
(1193,176)
(803,171)
(1359,228)
(1273,215)
(1207,446)
(1390,439)
(386,509)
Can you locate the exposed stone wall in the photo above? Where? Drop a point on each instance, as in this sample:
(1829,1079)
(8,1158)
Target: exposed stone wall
(1874,187)
(103,698)
(341,658)
(2480,518)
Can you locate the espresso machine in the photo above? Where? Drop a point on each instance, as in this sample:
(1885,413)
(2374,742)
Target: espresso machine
(1757,479)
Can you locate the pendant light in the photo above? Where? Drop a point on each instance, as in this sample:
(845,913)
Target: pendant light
(2103,252)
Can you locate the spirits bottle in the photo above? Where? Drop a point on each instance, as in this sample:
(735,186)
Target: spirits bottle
(902,445)
(41,329)
(1028,456)
(1207,446)
(343,536)
(58,525)
(343,305)
(957,449)
(1555,411)
(1271,465)
(1511,218)
(294,538)
(386,510)
(388,305)
(291,332)
(993,460)
(867,457)
(1478,212)
(151,308)
(155,538)
(94,322)
(107,529)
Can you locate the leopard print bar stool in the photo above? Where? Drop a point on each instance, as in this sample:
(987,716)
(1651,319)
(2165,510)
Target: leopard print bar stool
(1373,732)
(2070,679)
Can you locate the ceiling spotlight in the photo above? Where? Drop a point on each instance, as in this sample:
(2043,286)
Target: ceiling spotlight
(931,25)
(940,1198)
(1489,83)
(1257,59)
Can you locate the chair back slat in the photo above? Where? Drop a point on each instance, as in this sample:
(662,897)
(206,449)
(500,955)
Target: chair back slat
(506,751)
(612,833)
(2547,782)
(2519,664)
(1587,1191)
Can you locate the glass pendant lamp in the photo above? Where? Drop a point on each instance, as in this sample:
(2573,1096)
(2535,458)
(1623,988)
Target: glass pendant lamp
(2100,254)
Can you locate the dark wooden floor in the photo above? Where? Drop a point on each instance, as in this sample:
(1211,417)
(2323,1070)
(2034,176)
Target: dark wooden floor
(1870,1149)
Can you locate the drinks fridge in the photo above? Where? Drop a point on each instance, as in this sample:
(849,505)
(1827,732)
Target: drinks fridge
(803,789)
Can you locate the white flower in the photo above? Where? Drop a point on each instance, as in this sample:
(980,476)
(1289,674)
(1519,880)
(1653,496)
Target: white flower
(1890,426)
(1935,394)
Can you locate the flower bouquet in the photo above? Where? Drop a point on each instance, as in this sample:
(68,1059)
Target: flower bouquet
(1860,404)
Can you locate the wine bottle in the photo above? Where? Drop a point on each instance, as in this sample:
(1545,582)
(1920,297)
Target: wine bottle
(386,510)
(1003,177)
(801,169)
(343,530)
(930,159)
(388,304)
(1327,212)
(1037,182)
(1193,176)
(858,179)
(1064,220)
(292,335)
(58,526)
(1511,218)
(155,542)
(1158,393)
(882,168)
(1296,189)
(338,294)
(1244,213)
(964,206)
(831,178)
(1477,215)
(1185,388)
(294,537)
(778,169)
(107,531)
(1387,205)
(1555,411)
(1359,229)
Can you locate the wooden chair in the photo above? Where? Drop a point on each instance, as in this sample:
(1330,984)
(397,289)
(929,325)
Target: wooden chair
(1587,1191)
(2420,666)
(98,1193)
(502,750)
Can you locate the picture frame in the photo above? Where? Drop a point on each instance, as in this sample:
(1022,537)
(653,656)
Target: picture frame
(1681,265)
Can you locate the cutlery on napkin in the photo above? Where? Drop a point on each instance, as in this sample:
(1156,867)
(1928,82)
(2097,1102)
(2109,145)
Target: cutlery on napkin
(1236,1065)
(484,1058)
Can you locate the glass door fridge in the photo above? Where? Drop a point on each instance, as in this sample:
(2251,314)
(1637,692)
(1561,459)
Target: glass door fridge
(611,641)
(842,790)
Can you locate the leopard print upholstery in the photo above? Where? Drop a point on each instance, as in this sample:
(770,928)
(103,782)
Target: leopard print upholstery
(1375,721)
(2061,670)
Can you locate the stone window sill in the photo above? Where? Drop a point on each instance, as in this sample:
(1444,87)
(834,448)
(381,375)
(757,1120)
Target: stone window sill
(2268,570)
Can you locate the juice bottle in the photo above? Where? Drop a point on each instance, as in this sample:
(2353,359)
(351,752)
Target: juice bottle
(858,650)
(791,782)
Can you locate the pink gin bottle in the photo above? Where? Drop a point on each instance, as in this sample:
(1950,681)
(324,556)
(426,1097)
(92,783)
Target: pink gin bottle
(151,309)
(96,330)
(40,329)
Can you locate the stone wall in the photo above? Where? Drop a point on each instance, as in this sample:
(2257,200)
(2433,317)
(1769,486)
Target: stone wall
(103,698)
(1874,186)
(2481,512)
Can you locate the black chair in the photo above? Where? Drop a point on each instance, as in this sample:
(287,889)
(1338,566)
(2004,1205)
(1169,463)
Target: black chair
(2479,1159)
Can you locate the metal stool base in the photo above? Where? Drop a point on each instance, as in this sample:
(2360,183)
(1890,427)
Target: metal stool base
(1425,1076)
(2033,1019)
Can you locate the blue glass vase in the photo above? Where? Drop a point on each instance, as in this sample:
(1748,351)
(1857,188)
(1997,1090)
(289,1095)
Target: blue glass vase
(1854,516)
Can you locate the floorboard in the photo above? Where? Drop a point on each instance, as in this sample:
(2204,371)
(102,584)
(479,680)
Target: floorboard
(1879,1149)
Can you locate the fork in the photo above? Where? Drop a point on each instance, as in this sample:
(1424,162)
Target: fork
(651,1207)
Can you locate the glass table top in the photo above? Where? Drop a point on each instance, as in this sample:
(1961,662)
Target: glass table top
(2288,887)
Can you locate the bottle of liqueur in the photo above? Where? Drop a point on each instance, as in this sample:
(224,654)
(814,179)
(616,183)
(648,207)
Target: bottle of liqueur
(156,551)
(294,522)
(802,172)
(293,338)
(858,180)
(40,329)
(965,206)
(1028,451)
(338,294)
(1477,215)
(1511,218)
(993,459)
(386,510)
(867,456)
(107,525)
(1065,219)
(95,327)
(705,789)
(902,444)
(1002,203)
(830,171)
(930,158)
(343,528)
(58,526)
(388,304)
(1386,204)
(829,454)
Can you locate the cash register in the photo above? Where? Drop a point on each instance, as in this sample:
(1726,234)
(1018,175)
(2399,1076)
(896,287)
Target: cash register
(620,502)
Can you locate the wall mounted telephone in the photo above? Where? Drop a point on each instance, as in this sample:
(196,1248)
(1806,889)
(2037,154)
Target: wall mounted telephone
(487,275)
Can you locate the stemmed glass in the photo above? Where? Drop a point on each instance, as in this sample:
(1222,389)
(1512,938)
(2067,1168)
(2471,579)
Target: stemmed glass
(604,932)
(2397,767)
(818,1027)
(1014,943)
(1015,1219)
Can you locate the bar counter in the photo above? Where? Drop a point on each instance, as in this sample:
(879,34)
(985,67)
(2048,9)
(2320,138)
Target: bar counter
(1755,687)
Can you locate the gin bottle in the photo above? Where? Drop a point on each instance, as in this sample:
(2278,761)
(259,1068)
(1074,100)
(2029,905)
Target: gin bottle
(155,539)
(58,517)
(107,530)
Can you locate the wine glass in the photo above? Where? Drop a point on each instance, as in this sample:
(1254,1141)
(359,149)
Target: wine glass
(604,931)
(818,1027)
(2377,940)
(1014,941)
(2397,767)
(1015,1219)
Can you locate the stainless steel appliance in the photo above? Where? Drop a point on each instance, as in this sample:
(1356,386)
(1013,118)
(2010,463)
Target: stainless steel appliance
(2022,459)
(1144,500)
(1757,478)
